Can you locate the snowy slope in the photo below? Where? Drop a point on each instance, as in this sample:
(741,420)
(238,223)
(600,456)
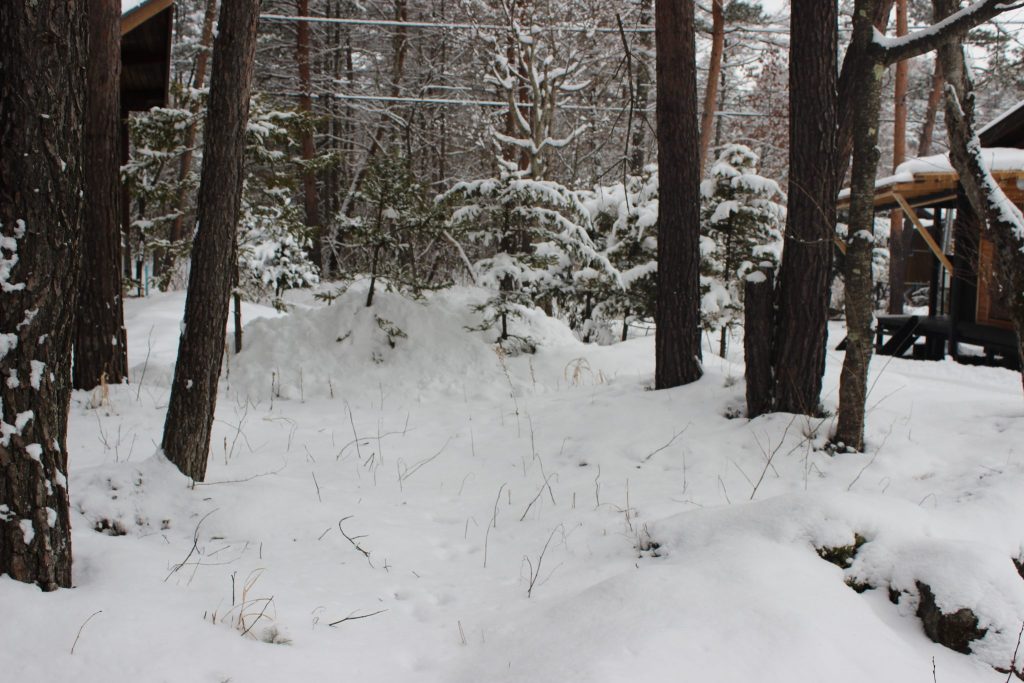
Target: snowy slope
(536,518)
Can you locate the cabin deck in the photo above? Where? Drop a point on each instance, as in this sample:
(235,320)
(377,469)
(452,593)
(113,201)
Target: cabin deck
(930,338)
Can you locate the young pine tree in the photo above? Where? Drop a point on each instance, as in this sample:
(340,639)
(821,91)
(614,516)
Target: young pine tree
(740,230)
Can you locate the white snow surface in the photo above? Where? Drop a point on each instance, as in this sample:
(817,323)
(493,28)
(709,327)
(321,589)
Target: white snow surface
(129,5)
(503,514)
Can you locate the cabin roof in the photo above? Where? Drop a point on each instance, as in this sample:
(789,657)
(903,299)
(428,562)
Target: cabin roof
(931,181)
(146,30)
(1006,130)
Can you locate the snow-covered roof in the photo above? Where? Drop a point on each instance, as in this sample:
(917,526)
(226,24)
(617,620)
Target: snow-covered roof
(997,160)
(1005,129)
(137,12)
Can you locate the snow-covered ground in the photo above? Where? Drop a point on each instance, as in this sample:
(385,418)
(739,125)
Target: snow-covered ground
(390,500)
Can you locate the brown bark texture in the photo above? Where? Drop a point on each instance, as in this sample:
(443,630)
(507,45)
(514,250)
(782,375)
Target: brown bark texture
(897,255)
(42,108)
(924,142)
(677,337)
(186,439)
(757,330)
(803,292)
(860,242)
(848,95)
(983,193)
(100,342)
(638,156)
(198,81)
(707,119)
(311,202)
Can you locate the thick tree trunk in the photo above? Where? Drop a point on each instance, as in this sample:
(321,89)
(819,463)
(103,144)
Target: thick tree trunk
(758,296)
(848,95)
(677,336)
(924,142)
(186,439)
(100,338)
(185,167)
(638,156)
(311,202)
(803,292)
(714,74)
(860,243)
(42,108)
(897,255)
(1004,222)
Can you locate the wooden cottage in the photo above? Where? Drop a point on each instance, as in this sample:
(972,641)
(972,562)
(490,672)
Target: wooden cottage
(147,29)
(951,258)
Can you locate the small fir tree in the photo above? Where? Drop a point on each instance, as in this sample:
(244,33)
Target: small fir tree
(624,218)
(533,234)
(741,223)
(397,224)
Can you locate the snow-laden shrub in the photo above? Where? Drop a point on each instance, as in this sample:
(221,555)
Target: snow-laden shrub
(741,222)
(533,237)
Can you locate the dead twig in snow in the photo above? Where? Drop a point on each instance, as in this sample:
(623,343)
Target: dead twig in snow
(195,544)
(353,540)
(99,611)
(350,617)
(535,572)
(670,442)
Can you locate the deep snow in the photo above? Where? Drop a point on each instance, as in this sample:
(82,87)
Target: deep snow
(536,518)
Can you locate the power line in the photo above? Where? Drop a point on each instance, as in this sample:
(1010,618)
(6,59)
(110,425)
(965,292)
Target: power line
(464,102)
(443,25)
(482,27)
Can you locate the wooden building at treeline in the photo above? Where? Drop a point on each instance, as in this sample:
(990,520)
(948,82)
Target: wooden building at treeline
(147,31)
(950,258)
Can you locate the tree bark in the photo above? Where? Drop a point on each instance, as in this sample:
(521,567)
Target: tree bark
(757,333)
(803,292)
(848,96)
(714,74)
(185,167)
(860,242)
(638,155)
(43,53)
(897,255)
(924,143)
(186,439)
(1004,222)
(677,335)
(100,339)
(311,202)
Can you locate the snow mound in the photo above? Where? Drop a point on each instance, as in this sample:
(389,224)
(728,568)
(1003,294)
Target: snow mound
(121,499)
(347,350)
(902,545)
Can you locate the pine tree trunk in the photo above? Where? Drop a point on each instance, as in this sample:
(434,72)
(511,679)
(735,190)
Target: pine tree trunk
(898,255)
(757,332)
(714,75)
(677,334)
(803,292)
(186,439)
(185,167)
(100,338)
(638,155)
(848,95)
(924,142)
(311,202)
(43,53)
(860,242)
